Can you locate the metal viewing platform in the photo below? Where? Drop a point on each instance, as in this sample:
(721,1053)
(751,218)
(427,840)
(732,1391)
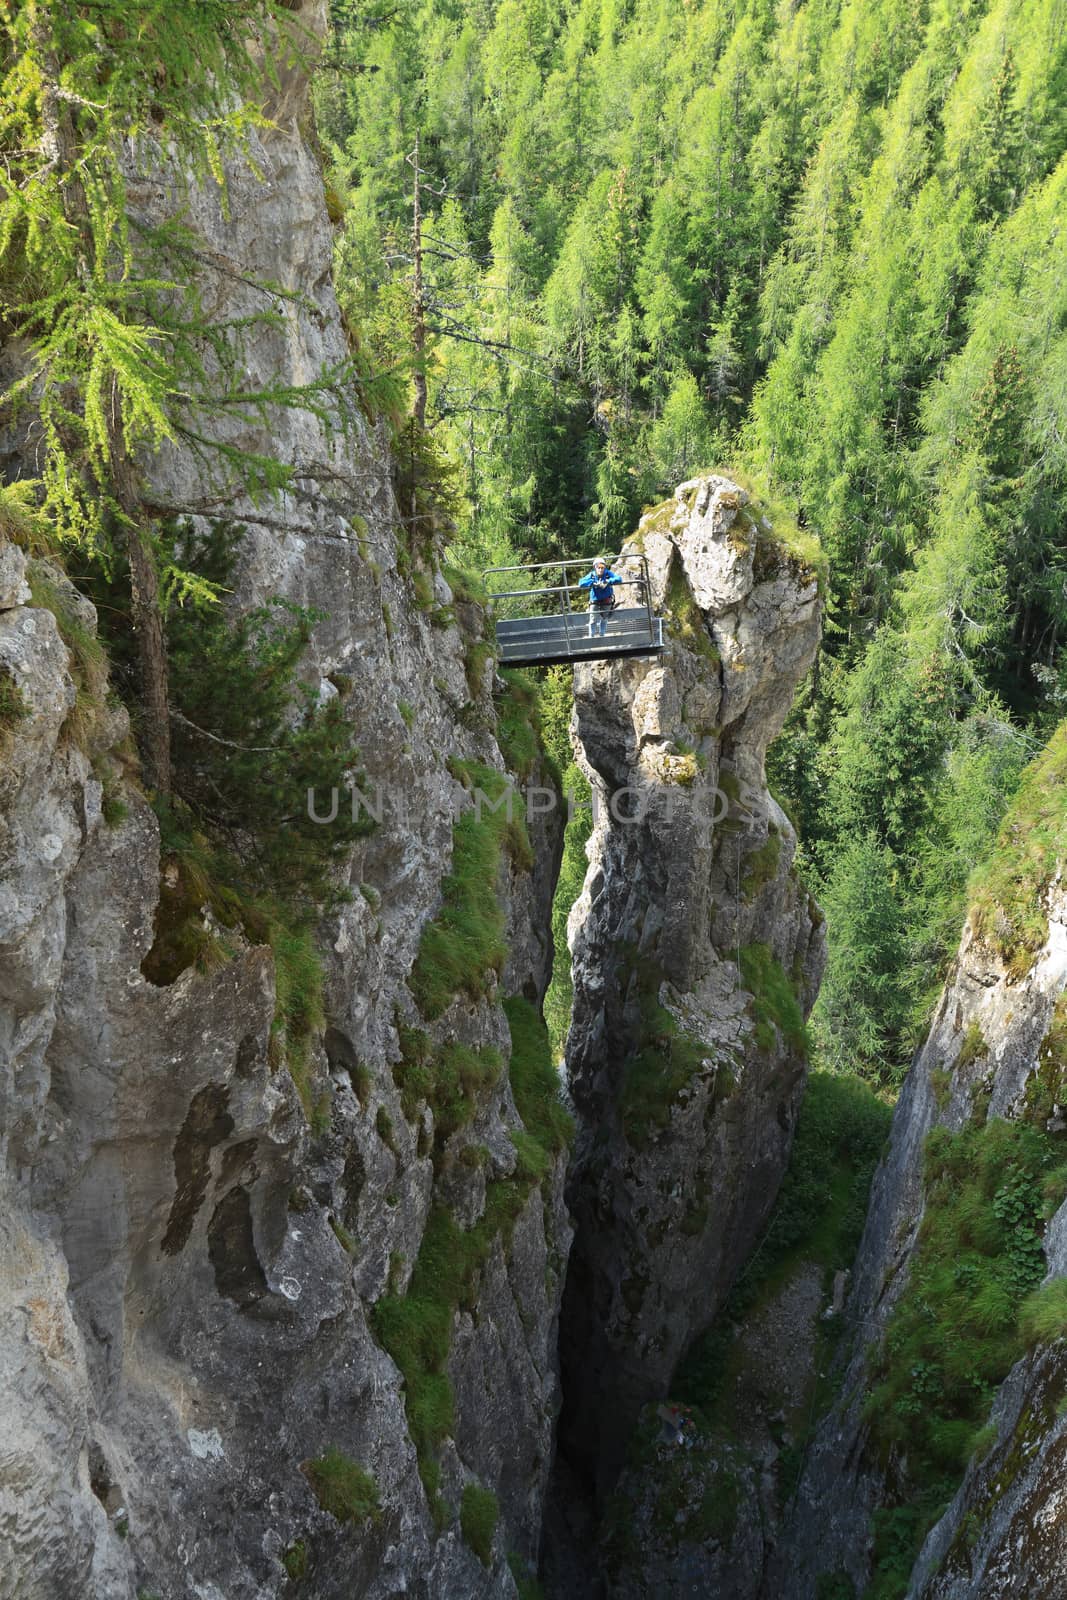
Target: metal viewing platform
(550,622)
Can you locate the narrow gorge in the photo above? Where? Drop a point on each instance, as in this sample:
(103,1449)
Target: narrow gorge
(245,1248)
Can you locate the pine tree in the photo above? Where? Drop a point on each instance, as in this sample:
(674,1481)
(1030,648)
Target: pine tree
(120,356)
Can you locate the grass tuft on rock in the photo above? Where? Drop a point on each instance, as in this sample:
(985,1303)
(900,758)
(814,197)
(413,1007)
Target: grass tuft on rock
(534,1083)
(518,723)
(453,1079)
(52,591)
(463,949)
(761,865)
(205,908)
(778,535)
(526,1581)
(342,1487)
(478,1517)
(416,1328)
(1046,1087)
(775,1006)
(295,1560)
(13,707)
(559,999)
(1008,910)
(1043,1314)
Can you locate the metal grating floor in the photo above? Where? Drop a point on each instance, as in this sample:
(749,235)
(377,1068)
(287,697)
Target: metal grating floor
(541,641)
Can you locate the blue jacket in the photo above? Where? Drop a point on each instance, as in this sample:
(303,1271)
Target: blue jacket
(600,591)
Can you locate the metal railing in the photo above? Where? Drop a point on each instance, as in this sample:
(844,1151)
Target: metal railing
(566,598)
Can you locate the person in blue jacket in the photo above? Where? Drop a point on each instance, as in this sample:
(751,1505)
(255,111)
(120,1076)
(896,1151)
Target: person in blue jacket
(600,583)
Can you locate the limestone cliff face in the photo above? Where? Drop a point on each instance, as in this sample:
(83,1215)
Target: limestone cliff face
(696,954)
(1003,1534)
(189,1270)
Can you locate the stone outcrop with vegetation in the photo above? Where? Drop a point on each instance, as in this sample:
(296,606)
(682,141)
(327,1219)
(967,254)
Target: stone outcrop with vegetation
(697,953)
(935,1473)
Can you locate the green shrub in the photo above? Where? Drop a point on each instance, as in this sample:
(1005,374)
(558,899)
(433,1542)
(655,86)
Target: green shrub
(465,941)
(344,1489)
(897,1536)
(251,739)
(775,1006)
(834,1586)
(478,1516)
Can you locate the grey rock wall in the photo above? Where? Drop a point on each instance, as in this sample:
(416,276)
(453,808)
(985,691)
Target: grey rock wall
(181,1327)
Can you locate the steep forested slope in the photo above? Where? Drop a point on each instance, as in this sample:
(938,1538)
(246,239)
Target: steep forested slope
(820,241)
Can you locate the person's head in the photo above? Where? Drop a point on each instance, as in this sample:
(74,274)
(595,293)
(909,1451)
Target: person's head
(600,565)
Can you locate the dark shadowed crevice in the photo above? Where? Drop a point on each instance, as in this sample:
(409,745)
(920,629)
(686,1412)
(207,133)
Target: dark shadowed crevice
(232,1249)
(207,1123)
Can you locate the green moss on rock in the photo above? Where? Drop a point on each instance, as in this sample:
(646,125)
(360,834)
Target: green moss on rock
(667,1058)
(685,616)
